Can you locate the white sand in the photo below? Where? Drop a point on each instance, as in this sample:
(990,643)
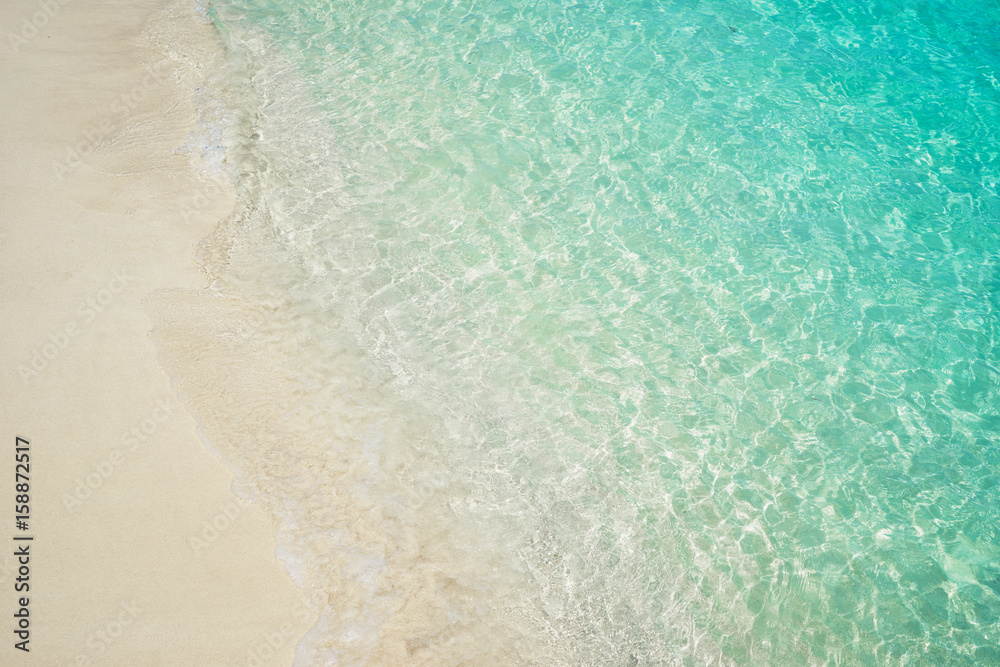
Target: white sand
(117,577)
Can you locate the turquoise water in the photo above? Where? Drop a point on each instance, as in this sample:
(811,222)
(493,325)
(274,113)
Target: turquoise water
(693,305)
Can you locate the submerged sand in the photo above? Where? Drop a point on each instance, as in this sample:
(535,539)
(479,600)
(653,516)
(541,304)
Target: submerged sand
(142,555)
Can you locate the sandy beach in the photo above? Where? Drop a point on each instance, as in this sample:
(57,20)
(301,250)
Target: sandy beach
(141,554)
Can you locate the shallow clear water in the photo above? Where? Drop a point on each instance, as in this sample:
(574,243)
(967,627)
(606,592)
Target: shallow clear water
(619,333)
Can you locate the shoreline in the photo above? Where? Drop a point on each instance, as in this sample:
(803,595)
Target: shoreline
(143,553)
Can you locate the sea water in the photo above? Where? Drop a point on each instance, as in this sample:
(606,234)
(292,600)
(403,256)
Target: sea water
(612,333)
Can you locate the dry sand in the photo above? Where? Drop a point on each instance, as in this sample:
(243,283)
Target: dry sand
(141,553)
